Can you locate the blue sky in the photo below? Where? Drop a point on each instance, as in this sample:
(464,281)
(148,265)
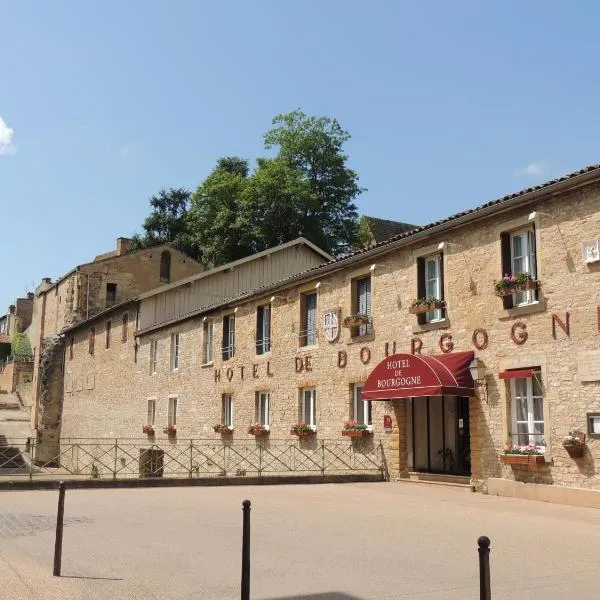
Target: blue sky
(449,104)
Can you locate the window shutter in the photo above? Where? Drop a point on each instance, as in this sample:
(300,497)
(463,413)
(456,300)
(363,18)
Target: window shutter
(421,292)
(259,329)
(441,263)
(311,319)
(533,257)
(507,301)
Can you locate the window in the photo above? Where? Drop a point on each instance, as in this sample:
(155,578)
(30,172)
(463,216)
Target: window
(71,344)
(227,410)
(108,328)
(263,329)
(308,325)
(519,256)
(111,294)
(165,266)
(151,417)
(308,406)
(262,407)
(172,416)
(124,326)
(209,329)
(174,351)
(430,284)
(361,304)
(361,408)
(92,340)
(228,337)
(527,411)
(153,356)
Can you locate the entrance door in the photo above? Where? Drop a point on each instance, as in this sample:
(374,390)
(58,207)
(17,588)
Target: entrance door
(440,435)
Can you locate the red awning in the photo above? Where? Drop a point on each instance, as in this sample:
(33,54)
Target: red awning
(516,374)
(408,375)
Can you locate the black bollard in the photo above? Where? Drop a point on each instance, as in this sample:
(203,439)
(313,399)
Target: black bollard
(59,529)
(246,550)
(485,590)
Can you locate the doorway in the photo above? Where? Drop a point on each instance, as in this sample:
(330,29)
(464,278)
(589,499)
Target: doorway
(439,432)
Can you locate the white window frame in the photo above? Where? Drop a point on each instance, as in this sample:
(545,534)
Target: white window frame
(531,420)
(227,407)
(151,412)
(367,407)
(228,350)
(175,351)
(263,398)
(308,407)
(433,286)
(153,356)
(209,334)
(172,411)
(529,263)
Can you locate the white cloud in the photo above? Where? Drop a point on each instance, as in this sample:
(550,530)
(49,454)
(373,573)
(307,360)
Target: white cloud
(535,169)
(6,134)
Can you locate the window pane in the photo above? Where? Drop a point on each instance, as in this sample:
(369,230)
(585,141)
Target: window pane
(368,415)
(521,388)
(538,409)
(521,405)
(535,382)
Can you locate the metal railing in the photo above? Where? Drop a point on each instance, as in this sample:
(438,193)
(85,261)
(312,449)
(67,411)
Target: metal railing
(130,458)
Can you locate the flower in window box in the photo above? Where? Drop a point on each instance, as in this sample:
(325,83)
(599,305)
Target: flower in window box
(147,428)
(258,429)
(170,429)
(355,429)
(422,305)
(357,320)
(530,455)
(513,284)
(222,428)
(301,429)
(574,444)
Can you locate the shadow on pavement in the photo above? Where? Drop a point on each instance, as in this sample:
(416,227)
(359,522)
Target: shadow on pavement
(324,596)
(84,577)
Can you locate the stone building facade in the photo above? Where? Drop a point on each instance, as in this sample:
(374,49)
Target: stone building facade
(280,354)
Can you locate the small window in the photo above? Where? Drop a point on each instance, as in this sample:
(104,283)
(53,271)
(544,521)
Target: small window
(71,344)
(308,406)
(308,319)
(107,339)
(227,412)
(263,329)
(153,356)
(361,304)
(430,286)
(172,416)
(151,417)
(124,327)
(262,407)
(228,337)
(165,266)
(208,331)
(174,351)
(519,257)
(527,409)
(361,408)
(92,340)
(111,294)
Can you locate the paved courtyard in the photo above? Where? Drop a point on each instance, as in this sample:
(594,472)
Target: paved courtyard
(321,542)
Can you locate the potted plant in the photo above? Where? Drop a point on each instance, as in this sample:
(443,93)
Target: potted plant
(170,429)
(531,455)
(301,429)
(356,320)
(422,305)
(355,429)
(258,429)
(222,428)
(513,284)
(147,428)
(574,444)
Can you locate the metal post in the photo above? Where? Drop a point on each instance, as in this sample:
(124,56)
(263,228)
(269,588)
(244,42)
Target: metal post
(485,590)
(322,458)
(246,550)
(115,461)
(191,457)
(59,529)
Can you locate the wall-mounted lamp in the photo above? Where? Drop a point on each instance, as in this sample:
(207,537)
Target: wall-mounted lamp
(477,369)
(208,319)
(282,298)
(535,213)
(449,246)
(320,283)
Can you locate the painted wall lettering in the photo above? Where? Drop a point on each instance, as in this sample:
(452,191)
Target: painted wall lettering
(217,375)
(255,371)
(415,345)
(308,363)
(229,373)
(342,359)
(269,374)
(299,363)
(446,344)
(387,348)
(242,371)
(365,355)
(480,339)
(518,333)
(564,326)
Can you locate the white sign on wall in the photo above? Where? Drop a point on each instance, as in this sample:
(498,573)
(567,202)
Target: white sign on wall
(331,324)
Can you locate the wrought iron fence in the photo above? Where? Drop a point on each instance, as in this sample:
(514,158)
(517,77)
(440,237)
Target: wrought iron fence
(129,458)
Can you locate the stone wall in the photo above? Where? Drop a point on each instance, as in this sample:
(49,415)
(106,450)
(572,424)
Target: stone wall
(106,394)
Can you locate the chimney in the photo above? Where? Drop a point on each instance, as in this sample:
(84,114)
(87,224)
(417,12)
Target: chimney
(11,309)
(47,279)
(122,245)
(30,295)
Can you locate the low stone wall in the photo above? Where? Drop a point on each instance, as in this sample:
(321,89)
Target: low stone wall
(15,374)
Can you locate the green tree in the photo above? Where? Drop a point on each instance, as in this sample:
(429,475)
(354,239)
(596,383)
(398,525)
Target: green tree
(167,223)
